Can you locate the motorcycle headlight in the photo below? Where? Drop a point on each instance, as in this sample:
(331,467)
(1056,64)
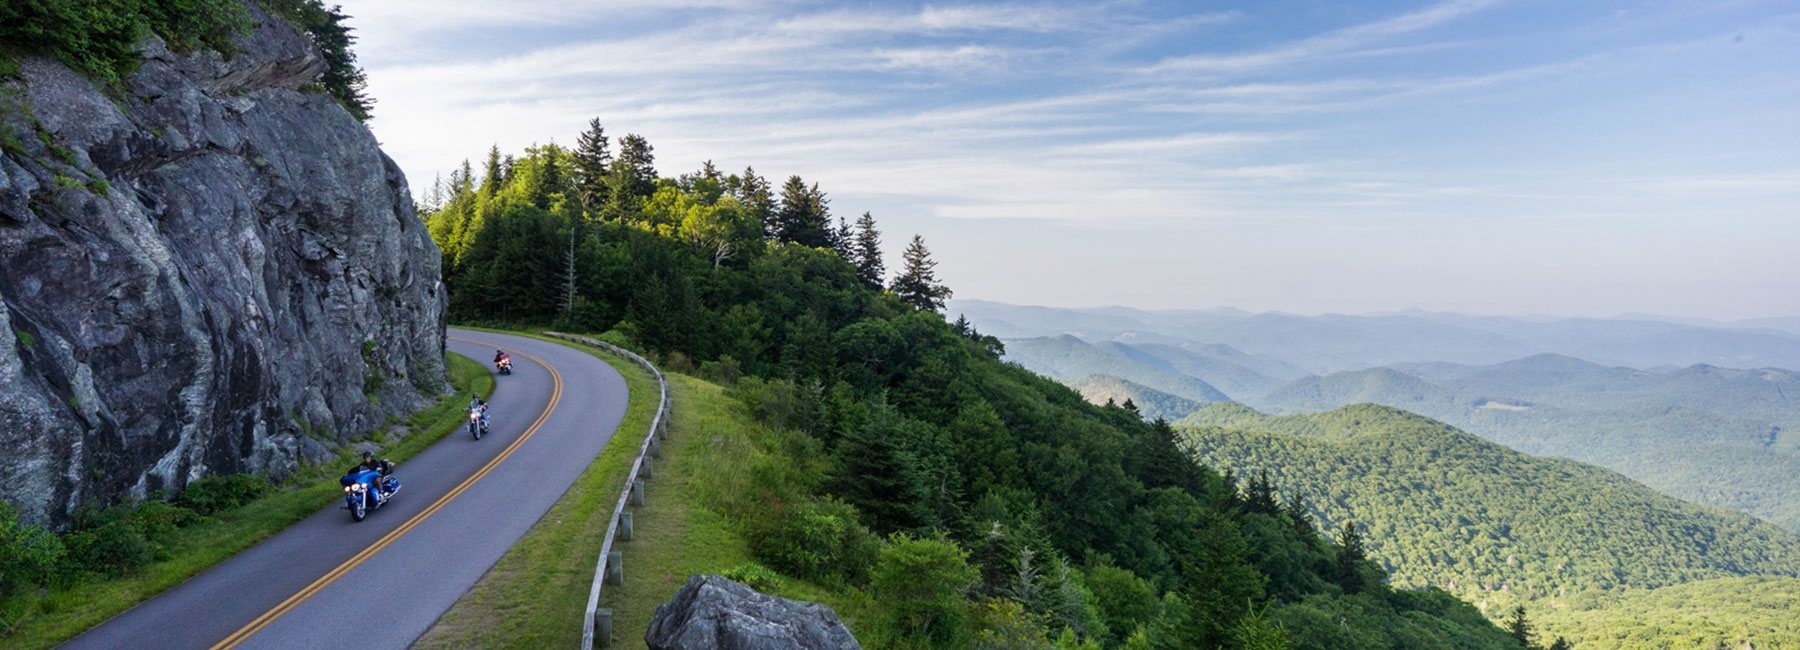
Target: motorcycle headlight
(347,488)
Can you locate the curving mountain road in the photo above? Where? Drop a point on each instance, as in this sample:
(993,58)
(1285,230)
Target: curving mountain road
(328,581)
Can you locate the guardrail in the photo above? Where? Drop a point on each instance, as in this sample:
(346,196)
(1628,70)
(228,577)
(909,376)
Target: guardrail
(596,625)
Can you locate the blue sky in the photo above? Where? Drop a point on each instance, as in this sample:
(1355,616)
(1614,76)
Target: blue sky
(1525,156)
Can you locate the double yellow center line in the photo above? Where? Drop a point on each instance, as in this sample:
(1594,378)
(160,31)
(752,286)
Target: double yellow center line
(247,631)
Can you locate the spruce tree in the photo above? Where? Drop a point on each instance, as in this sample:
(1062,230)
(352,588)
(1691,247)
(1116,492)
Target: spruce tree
(869,267)
(1350,558)
(1519,628)
(753,191)
(1562,644)
(917,284)
(593,154)
(843,240)
(492,173)
(639,160)
(803,217)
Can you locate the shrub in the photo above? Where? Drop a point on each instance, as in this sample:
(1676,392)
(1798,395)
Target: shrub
(723,372)
(818,540)
(28,554)
(214,494)
(112,542)
(100,37)
(924,583)
(755,576)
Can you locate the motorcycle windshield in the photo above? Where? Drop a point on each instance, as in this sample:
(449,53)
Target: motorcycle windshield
(364,477)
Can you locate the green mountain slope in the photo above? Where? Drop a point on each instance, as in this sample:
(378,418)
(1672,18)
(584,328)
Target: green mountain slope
(1703,434)
(1066,357)
(1753,612)
(1496,526)
(1099,389)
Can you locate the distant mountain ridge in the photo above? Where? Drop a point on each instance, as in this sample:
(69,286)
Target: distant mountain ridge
(1334,342)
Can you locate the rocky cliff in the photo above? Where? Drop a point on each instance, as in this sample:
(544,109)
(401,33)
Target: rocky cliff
(213,269)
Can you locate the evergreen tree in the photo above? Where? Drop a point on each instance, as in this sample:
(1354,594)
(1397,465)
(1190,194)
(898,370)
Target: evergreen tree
(869,266)
(843,240)
(917,284)
(1350,558)
(493,175)
(1562,644)
(1519,627)
(343,80)
(803,217)
(753,190)
(1259,495)
(1130,406)
(592,156)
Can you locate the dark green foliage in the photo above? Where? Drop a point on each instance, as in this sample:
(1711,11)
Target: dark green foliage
(1348,569)
(100,37)
(216,493)
(924,583)
(803,217)
(818,540)
(917,284)
(29,555)
(1519,627)
(866,245)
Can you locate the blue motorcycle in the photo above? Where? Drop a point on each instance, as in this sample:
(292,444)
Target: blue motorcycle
(366,490)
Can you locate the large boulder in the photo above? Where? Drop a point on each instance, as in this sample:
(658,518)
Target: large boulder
(211,269)
(713,612)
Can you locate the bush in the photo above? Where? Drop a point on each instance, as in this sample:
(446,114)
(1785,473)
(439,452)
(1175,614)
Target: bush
(924,583)
(215,494)
(723,372)
(28,554)
(818,540)
(755,576)
(112,542)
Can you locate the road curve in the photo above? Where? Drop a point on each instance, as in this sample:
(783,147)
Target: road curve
(328,581)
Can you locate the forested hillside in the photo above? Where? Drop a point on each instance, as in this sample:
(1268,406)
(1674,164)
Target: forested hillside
(1730,428)
(994,505)
(1500,528)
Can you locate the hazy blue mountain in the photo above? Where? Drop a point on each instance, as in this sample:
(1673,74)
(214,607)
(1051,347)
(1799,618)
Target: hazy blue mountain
(1333,342)
(1152,403)
(1067,358)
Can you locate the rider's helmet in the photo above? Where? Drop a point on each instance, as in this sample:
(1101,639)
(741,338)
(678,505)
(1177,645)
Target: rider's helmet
(368,455)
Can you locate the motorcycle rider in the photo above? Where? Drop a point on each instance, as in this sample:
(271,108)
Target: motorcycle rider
(478,406)
(372,464)
(499,356)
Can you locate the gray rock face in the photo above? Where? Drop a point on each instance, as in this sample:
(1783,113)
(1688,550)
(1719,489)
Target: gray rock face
(213,270)
(713,612)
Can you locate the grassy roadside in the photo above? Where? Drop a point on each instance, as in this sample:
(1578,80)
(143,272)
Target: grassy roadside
(535,595)
(50,618)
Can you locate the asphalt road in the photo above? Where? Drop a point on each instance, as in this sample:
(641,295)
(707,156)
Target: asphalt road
(331,582)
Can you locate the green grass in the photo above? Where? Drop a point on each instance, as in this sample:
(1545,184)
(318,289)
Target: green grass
(536,594)
(60,614)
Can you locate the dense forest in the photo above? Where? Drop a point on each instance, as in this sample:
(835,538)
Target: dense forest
(1008,507)
(1492,525)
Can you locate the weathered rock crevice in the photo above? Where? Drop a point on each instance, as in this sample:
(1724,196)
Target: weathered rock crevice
(200,274)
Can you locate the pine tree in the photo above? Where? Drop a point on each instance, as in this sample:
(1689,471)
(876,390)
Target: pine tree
(869,266)
(592,156)
(1130,406)
(917,284)
(1519,628)
(753,190)
(843,240)
(492,173)
(1562,644)
(1350,558)
(803,217)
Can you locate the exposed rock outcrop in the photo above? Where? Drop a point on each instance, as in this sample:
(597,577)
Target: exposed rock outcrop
(214,269)
(713,612)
